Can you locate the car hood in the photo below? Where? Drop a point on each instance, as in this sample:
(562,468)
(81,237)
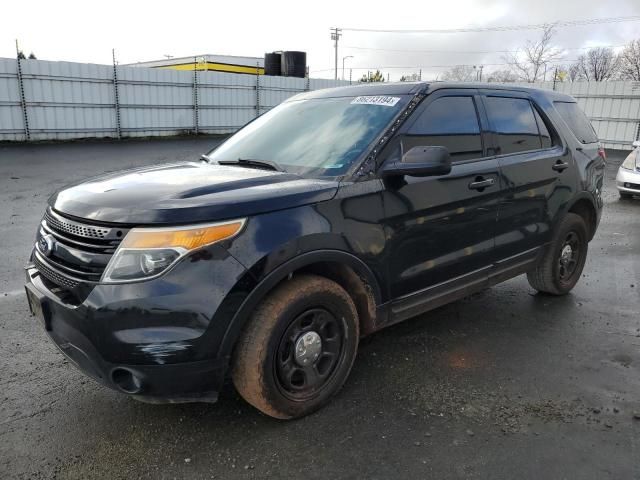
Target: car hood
(187,192)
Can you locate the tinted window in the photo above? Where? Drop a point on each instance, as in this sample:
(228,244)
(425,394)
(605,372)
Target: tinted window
(545,136)
(577,121)
(451,122)
(514,123)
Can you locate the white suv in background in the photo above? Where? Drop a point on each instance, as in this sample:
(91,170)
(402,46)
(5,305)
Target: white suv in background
(628,178)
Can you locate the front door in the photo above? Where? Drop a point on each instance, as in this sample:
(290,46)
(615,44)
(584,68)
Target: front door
(440,230)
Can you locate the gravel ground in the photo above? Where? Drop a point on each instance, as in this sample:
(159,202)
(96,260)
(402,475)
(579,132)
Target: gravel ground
(504,384)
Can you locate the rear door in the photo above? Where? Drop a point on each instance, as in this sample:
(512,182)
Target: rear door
(533,166)
(440,230)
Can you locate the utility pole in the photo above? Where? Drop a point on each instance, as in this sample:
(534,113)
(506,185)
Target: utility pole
(335,36)
(481,67)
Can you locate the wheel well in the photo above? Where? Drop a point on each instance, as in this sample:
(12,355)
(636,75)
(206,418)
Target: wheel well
(357,287)
(586,210)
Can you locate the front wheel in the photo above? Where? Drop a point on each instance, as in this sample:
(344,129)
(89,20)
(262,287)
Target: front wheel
(560,267)
(298,348)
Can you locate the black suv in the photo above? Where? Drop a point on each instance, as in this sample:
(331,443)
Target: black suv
(333,215)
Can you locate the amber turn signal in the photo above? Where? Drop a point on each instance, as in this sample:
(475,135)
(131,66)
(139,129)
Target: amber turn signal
(187,238)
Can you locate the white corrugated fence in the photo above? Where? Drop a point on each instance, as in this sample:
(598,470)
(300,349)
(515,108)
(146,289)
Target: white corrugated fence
(45,100)
(612,107)
(64,100)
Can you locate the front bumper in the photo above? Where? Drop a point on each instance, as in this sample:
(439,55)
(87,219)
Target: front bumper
(156,340)
(628,181)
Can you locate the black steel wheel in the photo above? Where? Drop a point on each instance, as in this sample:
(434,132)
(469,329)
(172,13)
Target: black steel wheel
(569,257)
(309,352)
(559,268)
(298,348)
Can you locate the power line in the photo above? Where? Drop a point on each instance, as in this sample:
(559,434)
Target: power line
(392,67)
(506,28)
(477,52)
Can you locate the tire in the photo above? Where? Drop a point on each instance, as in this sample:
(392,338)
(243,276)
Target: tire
(267,368)
(556,273)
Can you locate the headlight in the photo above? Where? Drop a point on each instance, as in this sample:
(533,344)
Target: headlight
(147,252)
(630,162)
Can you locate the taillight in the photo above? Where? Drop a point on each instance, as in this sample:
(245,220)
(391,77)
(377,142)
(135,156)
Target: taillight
(602,153)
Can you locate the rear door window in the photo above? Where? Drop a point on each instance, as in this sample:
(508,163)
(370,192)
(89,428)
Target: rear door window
(450,122)
(545,136)
(577,121)
(514,124)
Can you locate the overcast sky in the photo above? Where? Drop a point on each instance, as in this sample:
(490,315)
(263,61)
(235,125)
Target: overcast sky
(86,31)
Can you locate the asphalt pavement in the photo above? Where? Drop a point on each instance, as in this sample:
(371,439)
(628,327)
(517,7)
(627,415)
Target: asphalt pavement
(505,384)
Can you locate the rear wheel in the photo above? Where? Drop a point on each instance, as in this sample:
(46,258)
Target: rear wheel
(298,348)
(559,269)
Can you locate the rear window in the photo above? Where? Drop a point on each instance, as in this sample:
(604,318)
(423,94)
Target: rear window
(577,121)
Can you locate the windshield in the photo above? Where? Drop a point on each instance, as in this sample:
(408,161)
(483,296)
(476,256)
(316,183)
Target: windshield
(316,137)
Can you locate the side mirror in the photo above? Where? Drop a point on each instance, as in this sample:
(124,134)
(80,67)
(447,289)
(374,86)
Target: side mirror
(420,162)
(636,144)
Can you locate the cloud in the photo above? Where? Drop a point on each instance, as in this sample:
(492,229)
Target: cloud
(77,30)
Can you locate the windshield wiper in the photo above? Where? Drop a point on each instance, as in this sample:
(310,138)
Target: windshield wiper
(252,163)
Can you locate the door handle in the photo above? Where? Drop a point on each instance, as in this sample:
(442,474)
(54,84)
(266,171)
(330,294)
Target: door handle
(481,183)
(560,166)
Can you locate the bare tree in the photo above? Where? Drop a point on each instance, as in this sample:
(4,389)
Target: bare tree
(630,61)
(502,76)
(573,72)
(460,73)
(411,77)
(598,64)
(530,62)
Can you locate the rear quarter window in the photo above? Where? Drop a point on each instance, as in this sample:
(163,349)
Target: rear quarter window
(577,121)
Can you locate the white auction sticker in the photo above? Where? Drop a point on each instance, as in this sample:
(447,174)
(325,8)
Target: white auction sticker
(376,100)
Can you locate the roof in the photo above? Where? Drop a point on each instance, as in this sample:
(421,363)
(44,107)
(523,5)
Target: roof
(411,88)
(207,57)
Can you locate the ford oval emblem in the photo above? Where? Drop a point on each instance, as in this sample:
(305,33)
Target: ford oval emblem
(46,244)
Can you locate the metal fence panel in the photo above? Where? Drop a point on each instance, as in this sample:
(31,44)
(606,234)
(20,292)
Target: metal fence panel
(66,100)
(11,123)
(612,107)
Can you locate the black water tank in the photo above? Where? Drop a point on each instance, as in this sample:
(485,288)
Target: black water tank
(294,64)
(272,63)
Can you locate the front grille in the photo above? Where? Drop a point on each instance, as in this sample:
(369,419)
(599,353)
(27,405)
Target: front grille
(77,229)
(75,252)
(53,276)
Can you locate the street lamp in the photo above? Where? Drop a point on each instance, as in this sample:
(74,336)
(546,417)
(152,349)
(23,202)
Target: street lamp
(343,59)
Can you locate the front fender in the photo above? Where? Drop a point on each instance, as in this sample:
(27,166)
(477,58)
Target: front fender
(278,274)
